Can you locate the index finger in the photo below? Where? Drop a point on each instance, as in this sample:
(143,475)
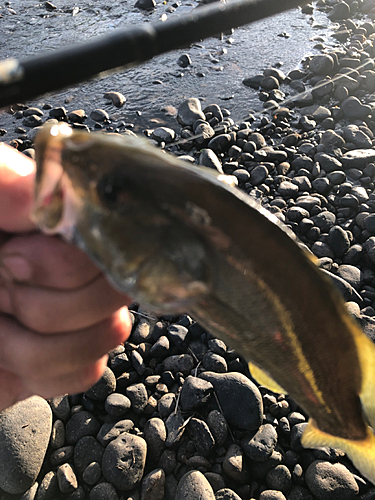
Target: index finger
(17,175)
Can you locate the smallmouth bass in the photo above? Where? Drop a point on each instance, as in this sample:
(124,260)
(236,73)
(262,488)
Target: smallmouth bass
(177,239)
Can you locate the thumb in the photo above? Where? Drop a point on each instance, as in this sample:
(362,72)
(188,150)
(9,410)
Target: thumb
(17,174)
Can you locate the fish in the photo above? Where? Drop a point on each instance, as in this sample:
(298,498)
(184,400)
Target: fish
(177,239)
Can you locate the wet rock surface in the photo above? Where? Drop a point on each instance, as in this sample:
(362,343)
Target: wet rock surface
(176,415)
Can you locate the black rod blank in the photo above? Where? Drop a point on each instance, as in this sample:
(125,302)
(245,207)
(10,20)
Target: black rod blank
(21,80)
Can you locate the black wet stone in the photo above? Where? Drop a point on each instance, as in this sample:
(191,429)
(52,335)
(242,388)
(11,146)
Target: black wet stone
(103,387)
(155,434)
(288,190)
(189,111)
(324,220)
(103,491)
(99,115)
(153,485)
(328,162)
(61,455)
(260,446)
(220,143)
(208,158)
(338,240)
(258,175)
(296,435)
(86,451)
(354,109)
(175,428)
(47,488)
(279,478)
(218,427)
(193,484)
(214,362)
(137,393)
(350,274)
(183,363)
(201,436)
(92,473)
(124,460)
(234,464)
(117,405)
(111,430)
(194,392)
(80,424)
(66,478)
(160,348)
(321,64)
(247,414)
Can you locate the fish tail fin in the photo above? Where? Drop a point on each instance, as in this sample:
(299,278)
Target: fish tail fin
(361,452)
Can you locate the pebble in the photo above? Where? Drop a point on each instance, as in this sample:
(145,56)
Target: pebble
(66,478)
(226,494)
(155,434)
(99,115)
(103,387)
(194,392)
(124,461)
(247,414)
(234,464)
(103,491)
(330,481)
(260,446)
(137,394)
(189,111)
(116,98)
(194,485)
(25,430)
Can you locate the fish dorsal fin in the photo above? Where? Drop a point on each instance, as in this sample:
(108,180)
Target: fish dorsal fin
(264,379)
(361,452)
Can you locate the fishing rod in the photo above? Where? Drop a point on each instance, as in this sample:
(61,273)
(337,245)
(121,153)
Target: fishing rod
(21,80)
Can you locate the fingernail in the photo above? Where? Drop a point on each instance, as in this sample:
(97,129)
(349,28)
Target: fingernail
(15,267)
(5,301)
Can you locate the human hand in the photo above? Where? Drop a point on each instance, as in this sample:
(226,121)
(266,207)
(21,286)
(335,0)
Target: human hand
(58,315)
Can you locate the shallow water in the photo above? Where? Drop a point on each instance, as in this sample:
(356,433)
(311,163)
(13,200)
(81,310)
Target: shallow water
(225,63)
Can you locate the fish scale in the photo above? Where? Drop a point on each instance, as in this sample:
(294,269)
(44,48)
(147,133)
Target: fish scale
(178,239)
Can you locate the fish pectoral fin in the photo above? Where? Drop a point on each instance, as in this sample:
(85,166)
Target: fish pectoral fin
(264,379)
(361,452)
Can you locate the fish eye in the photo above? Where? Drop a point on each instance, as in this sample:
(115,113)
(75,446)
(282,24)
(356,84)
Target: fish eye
(113,193)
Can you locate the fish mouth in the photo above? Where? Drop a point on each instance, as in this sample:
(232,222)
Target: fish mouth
(56,205)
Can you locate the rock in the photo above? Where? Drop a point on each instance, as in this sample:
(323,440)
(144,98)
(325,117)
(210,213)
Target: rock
(145,4)
(163,134)
(331,138)
(339,12)
(357,158)
(258,175)
(25,430)
(218,427)
(272,495)
(47,487)
(99,115)
(60,407)
(116,98)
(226,494)
(66,478)
(201,436)
(153,485)
(269,83)
(117,405)
(279,478)
(288,189)
(124,461)
(86,451)
(327,162)
(234,464)
(354,109)
(103,491)
(155,435)
(247,414)
(260,446)
(194,392)
(175,425)
(110,430)
(338,240)
(321,64)
(324,220)
(80,424)
(137,393)
(353,134)
(318,113)
(184,60)
(189,111)
(220,143)
(183,363)
(350,274)
(103,387)
(92,473)
(330,481)
(194,485)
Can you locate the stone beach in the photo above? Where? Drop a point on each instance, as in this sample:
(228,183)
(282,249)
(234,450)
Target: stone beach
(176,414)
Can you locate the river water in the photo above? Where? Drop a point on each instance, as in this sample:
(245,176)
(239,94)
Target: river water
(27,27)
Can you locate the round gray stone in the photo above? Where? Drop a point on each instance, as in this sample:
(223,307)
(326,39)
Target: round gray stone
(25,430)
(194,485)
(330,481)
(124,461)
